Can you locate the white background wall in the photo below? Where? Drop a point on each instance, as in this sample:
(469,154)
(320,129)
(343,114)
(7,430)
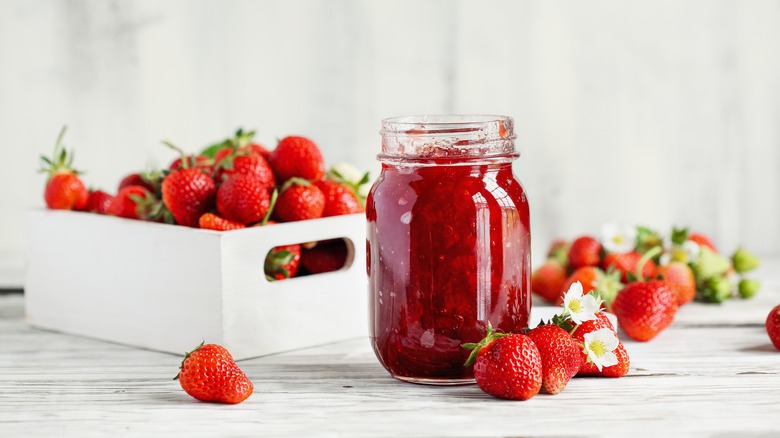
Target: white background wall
(657,112)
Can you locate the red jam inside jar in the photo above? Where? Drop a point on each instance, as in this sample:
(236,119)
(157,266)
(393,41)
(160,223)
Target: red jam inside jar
(448,244)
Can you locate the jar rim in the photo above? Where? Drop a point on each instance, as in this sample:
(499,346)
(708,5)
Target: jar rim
(456,137)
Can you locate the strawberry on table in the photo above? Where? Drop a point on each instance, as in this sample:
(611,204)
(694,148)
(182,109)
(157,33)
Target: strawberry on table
(548,280)
(211,221)
(299,200)
(702,240)
(593,279)
(773,326)
(244,199)
(561,356)
(644,309)
(627,262)
(681,280)
(99,202)
(282,262)
(188,194)
(506,366)
(64,189)
(588,367)
(296,156)
(210,374)
(585,251)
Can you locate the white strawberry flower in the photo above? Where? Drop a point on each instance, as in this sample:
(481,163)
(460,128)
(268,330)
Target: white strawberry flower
(618,238)
(580,307)
(600,347)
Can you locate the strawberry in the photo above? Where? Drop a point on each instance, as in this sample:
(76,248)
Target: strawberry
(773,326)
(238,162)
(258,149)
(202,162)
(339,199)
(548,279)
(297,157)
(136,179)
(644,309)
(188,194)
(99,202)
(702,240)
(325,257)
(681,280)
(506,366)
(585,251)
(282,262)
(210,374)
(64,189)
(244,199)
(561,356)
(626,262)
(299,200)
(132,202)
(588,368)
(210,221)
(592,278)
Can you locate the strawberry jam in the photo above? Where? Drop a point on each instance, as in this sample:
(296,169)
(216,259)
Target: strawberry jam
(448,244)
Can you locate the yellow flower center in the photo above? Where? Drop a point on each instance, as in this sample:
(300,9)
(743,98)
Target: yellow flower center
(574,306)
(618,239)
(597,347)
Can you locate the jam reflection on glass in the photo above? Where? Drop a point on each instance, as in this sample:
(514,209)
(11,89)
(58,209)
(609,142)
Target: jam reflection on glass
(448,251)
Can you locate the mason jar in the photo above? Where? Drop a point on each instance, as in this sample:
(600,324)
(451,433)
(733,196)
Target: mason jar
(448,244)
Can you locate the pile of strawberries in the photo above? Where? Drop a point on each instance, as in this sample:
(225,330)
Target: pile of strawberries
(644,277)
(232,184)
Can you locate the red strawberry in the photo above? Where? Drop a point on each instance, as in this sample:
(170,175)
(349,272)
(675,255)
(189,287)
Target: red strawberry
(773,326)
(99,202)
(210,221)
(680,278)
(585,251)
(588,368)
(339,199)
(591,279)
(282,262)
(299,200)
(132,202)
(626,262)
(244,163)
(702,240)
(210,374)
(64,189)
(243,198)
(136,179)
(548,280)
(644,309)
(325,257)
(297,157)
(506,366)
(201,162)
(188,194)
(561,356)
(259,149)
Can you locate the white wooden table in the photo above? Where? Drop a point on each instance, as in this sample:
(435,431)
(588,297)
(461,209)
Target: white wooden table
(713,372)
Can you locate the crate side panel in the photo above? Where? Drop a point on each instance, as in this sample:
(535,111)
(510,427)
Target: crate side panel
(136,283)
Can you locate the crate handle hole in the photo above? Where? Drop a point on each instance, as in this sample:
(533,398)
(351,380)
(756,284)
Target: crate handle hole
(295,260)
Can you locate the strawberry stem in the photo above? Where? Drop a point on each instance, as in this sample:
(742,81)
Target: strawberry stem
(647,256)
(475,348)
(274,195)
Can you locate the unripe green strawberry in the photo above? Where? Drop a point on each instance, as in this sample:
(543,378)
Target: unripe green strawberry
(748,287)
(709,264)
(716,289)
(744,261)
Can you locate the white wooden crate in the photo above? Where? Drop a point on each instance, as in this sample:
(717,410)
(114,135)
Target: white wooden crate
(166,287)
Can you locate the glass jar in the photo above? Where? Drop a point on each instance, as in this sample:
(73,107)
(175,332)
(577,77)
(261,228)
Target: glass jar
(448,244)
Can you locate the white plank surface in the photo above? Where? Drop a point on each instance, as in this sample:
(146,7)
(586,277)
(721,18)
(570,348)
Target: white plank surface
(713,372)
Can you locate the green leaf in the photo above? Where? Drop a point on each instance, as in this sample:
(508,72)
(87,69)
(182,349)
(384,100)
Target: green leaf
(679,235)
(211,150)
